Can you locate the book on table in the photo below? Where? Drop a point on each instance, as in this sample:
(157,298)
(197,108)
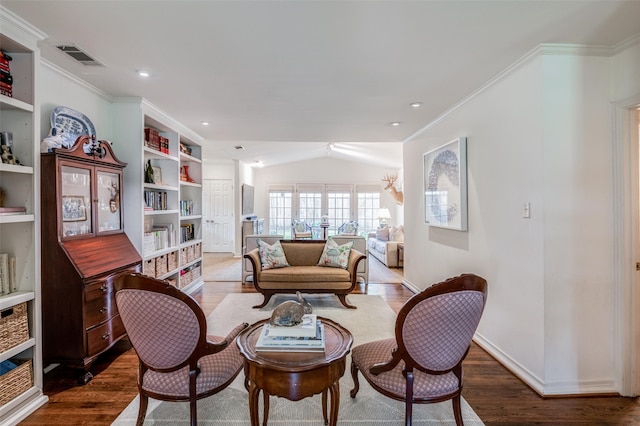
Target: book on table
(270,343)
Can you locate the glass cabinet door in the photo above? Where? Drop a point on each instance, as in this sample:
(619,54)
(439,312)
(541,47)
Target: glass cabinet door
(76,201)
(108,208)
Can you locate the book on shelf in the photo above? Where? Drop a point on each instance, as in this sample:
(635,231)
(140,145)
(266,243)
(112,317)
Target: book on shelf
(8,211)
(267,343)
(13,283)
(305,329)
(5,285)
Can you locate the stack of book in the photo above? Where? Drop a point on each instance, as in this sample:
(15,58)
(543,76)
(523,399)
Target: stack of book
(306,337)
(6,79)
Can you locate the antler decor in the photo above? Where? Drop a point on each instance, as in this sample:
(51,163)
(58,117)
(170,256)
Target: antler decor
(397,195)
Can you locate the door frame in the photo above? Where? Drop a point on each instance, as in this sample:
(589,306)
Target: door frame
(626,244)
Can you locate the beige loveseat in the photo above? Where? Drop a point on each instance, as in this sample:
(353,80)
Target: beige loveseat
(383,245)
(304,274)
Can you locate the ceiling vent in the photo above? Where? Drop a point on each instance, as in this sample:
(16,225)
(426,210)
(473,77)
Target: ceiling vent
(77,54)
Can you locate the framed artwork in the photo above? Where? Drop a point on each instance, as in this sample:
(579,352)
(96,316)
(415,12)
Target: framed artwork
(73,209)
(157,175)
(445,185)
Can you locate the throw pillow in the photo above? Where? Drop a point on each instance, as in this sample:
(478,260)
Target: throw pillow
(382,234)
(335,255)
(300,227)
(396,234)
(271,256)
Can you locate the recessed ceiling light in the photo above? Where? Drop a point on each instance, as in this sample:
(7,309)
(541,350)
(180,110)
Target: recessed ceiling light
(394,123)
(416,104)
(204,123)
(143,73)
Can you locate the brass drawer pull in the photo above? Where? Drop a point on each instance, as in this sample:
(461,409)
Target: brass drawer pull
(105,336)
(103,288)
(103,310)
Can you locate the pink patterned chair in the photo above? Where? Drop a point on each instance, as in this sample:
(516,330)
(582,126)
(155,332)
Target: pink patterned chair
(167,328)
(423,363)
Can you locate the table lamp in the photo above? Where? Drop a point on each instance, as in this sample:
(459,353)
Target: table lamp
(383,215)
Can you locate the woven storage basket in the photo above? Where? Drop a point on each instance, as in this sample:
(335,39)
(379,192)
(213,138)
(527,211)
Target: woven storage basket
(14,326)
(161,265)
(16,381)
(149,267)
(172,260)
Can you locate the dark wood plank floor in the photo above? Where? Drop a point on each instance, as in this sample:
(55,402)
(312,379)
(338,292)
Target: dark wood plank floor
(498,397)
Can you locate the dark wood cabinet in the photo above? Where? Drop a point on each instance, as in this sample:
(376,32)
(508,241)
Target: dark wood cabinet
(84,248)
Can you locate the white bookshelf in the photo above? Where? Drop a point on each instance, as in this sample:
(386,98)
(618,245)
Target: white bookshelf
(20,234)
(132,116)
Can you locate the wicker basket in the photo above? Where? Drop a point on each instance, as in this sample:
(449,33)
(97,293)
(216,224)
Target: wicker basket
(161,265)
(172,260)
(149,267)
(14,326)
(183,256)
(16,381)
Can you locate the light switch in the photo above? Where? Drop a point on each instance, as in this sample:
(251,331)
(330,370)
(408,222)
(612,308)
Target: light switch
(526,211)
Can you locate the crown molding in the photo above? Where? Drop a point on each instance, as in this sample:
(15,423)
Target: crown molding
(64,73)
(20,30)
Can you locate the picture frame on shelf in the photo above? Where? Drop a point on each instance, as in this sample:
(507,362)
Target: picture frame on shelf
(157,175)
(445,185)
(73,208)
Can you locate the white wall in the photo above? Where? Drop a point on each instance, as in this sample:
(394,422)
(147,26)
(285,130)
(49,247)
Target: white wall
(502,125)
(57,88)
(539,133)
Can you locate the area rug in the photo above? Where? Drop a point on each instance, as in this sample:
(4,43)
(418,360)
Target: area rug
(373,320)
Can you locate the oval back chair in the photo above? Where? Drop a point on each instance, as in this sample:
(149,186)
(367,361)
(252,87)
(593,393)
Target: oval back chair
(433,332)
(167,329)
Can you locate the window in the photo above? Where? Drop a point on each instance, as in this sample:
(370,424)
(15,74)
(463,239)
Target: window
(338,208)
(368,206)
(315,200)
(280,209)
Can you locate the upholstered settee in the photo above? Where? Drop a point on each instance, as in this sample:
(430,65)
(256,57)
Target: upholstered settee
(383,244)
(303,273)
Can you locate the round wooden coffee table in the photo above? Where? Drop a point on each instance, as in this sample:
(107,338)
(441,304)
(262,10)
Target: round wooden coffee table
(295,375)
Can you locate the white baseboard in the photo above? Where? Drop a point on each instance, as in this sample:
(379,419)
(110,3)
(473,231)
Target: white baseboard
(563,388)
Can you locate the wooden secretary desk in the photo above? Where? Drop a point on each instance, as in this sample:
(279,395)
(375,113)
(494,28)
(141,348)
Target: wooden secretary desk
(84,248)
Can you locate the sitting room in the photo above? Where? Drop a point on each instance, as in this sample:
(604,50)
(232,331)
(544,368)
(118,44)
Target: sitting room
(319,212)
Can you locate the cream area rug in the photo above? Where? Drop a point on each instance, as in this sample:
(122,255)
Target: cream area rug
(373,320)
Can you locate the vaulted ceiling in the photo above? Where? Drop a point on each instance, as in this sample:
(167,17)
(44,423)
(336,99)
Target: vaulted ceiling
(285,78)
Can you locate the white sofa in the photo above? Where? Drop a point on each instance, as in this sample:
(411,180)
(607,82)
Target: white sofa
(383,245)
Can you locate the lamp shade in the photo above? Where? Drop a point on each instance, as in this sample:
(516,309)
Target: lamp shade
(384,214)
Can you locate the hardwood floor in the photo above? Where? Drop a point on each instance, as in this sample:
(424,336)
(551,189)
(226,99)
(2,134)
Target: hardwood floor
(498,397)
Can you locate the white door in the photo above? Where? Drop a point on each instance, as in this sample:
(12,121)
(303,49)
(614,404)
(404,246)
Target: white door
(217,213)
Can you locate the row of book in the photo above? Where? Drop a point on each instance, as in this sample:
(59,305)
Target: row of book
(187,232)
(186,207)
(154,140)
(305,337)
(155,200)
(159,237)
(8,282)
(6,79)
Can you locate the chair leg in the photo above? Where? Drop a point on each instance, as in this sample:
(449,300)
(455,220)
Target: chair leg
(356,383)
(408,415)
(142,410)
(457,410)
